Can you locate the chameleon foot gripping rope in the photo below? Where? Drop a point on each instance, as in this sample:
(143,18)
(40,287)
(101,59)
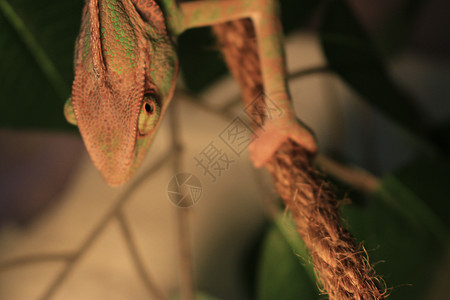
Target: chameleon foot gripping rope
(343,271)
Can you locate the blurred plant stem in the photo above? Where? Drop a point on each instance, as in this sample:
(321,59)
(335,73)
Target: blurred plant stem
(73,258)
(355,177)
(150,285)
(182,214)
(116,212)
(34,259)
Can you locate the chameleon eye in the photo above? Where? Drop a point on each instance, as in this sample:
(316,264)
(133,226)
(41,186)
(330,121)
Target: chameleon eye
(149,115)
(69,113)
(149,107)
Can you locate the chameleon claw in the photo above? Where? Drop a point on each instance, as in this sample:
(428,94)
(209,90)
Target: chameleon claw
(270,138)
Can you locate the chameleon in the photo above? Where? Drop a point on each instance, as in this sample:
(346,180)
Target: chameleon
(126,66)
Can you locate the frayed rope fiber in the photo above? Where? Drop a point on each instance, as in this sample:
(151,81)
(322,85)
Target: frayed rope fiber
(341,266)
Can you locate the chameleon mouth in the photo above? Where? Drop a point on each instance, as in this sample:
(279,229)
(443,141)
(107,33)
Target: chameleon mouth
(115,173)
(112,154)
(116,181)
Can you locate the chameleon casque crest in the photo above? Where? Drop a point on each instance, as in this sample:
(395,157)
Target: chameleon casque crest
(126,67)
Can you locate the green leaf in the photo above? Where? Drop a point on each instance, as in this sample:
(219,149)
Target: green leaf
(285,272)
(352,55)
(36,45)
(405,227)
(406,258)
(419,192)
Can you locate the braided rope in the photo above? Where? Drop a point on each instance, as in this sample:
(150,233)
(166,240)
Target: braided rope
(341,266)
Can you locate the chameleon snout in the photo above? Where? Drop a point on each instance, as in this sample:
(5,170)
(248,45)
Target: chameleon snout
(113,155)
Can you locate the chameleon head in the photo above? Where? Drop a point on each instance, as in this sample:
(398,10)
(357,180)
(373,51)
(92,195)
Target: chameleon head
(125,70)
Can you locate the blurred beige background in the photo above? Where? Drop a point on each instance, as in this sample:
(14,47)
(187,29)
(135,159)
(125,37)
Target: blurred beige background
(53,197)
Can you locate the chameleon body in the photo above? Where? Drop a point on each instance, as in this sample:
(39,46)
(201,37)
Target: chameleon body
(126,67)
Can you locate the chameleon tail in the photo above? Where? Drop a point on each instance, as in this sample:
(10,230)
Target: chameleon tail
(342,267)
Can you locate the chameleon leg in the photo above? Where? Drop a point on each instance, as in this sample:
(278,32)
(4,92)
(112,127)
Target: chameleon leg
(276,130)
(264,14)
(210,12)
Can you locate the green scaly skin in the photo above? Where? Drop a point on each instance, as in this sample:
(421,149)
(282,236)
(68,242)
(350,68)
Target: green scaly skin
(126,68)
